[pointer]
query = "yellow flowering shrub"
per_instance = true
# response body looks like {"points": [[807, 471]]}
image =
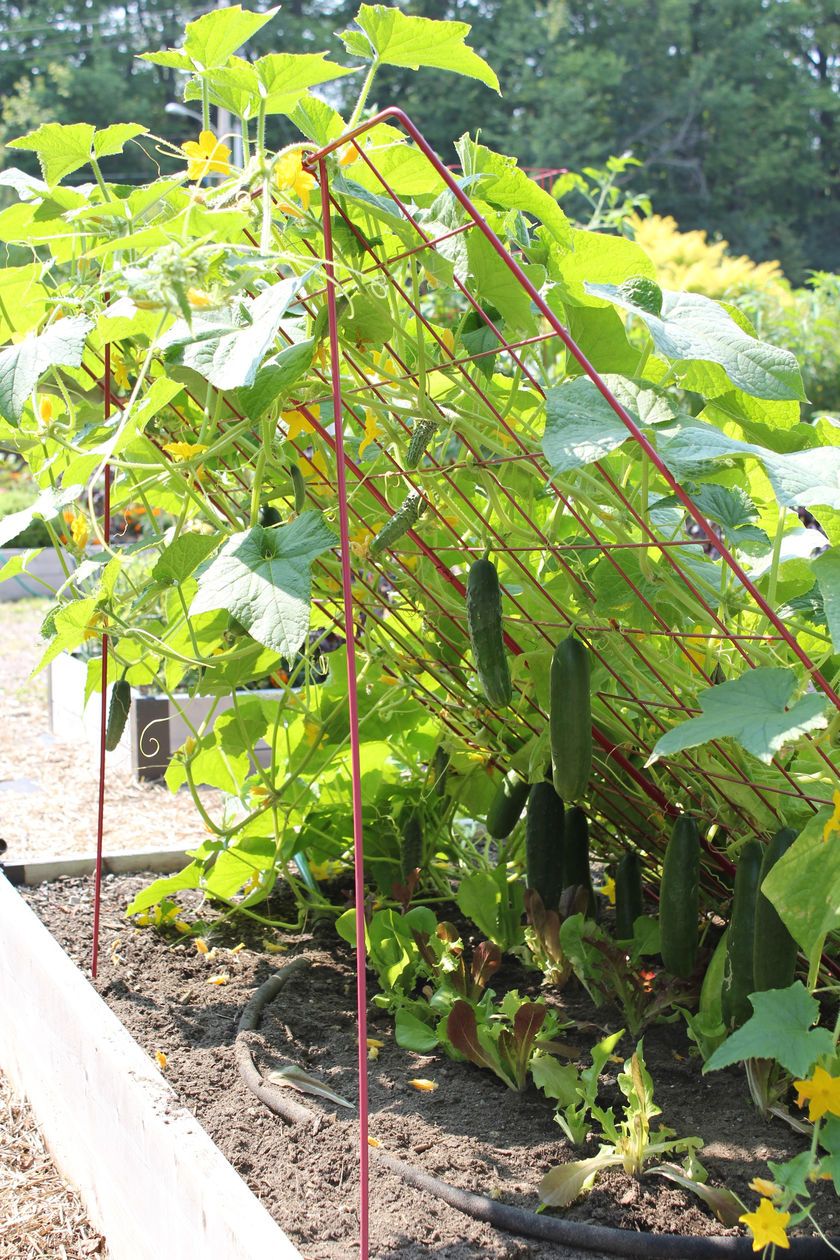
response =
{"points": [[689, 260]]}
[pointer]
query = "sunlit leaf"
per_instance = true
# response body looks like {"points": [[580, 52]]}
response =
{"points": [[262, 577], [393, 38], [751, 709], [781, 1028]]}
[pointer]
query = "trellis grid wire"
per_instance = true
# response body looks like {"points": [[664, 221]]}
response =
{"points": [[416, 590]]}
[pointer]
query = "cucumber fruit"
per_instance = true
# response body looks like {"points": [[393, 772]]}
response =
{"points": [[544, 827], [738, 977], [506, 806], [421, 436], [118, 710], [440, 768], [411, 848], [710, 990], [679, 899], [774, 949], [570, 719], [406, 515], [576, 870], [484, 621], [628, 895], [298, 487]]}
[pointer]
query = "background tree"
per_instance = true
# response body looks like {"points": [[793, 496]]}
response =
{"points": [[731, 104]]}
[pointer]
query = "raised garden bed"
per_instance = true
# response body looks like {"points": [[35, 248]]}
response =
{"points": [[157, 725], [46, 566], [470, 1131], [152, 1180]]}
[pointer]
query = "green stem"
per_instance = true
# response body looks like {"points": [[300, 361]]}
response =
{"points": [[774, 564], [106, 196], [363, 95]]}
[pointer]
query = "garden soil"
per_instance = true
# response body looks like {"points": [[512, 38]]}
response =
{"points": [[470, 1131]]}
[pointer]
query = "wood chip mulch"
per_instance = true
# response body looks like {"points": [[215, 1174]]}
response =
{"points": [[41, 1216]]}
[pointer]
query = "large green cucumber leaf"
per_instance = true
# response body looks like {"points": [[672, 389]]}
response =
{"points": [[753, 710], [23, 365], [781, 1027], [581, 425], [65, 147], [693, 327], [497, 179], [47, 506], [212, 38], [395, 39], [804, 885], [262, 577], [827, 570], [276, 83], [227, 347]]}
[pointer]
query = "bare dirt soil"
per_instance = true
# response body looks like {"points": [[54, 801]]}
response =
{"points": [[470, 1131]]}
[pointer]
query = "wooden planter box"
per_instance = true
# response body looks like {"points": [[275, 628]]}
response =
{"points": [[156, 726], [46, 566], [153, 1182]]}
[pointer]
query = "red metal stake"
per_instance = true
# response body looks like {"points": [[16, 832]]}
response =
{"points": [[353, 708], [103, 710]]}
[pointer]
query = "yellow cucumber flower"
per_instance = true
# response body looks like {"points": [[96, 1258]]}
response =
{"points": [[79, 531], [120, 373], [821, 1092], [768, 1189], [767, 1226], [608, 889], [372, 432], [290, 176], [184, 450], [199, 299], [296, 422], [205, 156]]}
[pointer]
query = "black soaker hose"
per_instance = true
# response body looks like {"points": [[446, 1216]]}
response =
{"points": [[572, 1234]]}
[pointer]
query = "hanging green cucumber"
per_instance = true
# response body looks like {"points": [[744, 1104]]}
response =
{"points": [[506, 806], [439, 768], [544, 825], [484, 621], [710, 991], [570, 719], [406, 515], [738, 977], [774, 949], [118, 711], [628, 895], [679, 899], [269, 516], [576, 870], [421, 435], [411, 848], [298, 487]]}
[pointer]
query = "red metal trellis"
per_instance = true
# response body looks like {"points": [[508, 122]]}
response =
{"points": [[636, 700]]}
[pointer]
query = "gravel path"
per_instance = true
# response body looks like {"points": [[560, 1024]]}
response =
{"points": [[48, 789], [41, 1217]]}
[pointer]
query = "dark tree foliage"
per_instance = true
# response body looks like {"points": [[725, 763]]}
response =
{"points": [[732, 104]]}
